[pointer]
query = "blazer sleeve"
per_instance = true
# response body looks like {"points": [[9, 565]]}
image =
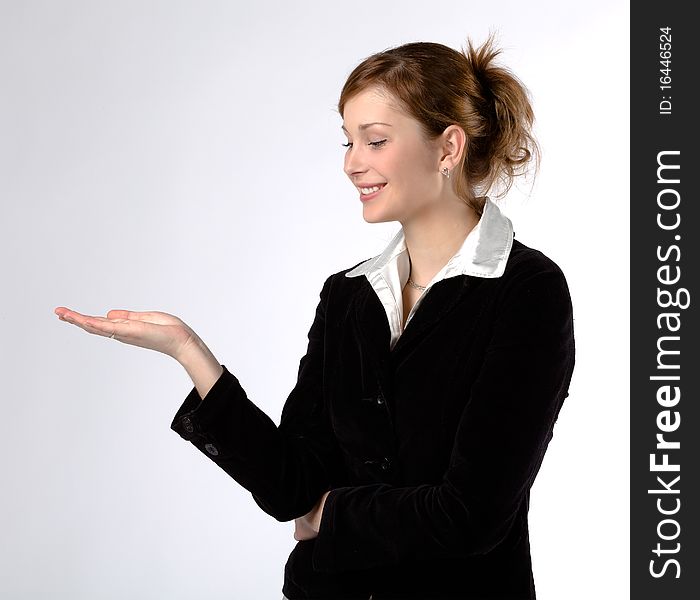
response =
{"points": [[286, 468], [500, 442]]}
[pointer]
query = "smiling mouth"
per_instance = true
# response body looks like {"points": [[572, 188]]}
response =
{"points": [[368, 191]]}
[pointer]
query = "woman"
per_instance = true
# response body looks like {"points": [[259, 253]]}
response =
{"points": [[434, 372]]}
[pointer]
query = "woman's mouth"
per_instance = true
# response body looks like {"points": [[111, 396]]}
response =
{"points": [[367, 193]]}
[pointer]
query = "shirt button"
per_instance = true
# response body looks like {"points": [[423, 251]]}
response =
{"points": [[211, 448], [187, 424], [386, 464]]}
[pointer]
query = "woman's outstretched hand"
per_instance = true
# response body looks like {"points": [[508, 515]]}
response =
{"points": [[157, 331]]}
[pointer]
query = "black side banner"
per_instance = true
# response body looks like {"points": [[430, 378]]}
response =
{"points": [[664, 262]]}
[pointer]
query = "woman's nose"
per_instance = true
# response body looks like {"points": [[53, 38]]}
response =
{"points": [[354, 163]]}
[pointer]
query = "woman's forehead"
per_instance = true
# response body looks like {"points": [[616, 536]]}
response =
{"points": [[372, 107]]}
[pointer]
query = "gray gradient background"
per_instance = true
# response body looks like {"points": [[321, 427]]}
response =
{"points": [[185, 157]]}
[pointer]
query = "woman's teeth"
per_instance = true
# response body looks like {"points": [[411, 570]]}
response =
{"points": [[371, 190]]}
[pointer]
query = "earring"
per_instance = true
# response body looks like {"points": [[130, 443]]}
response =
{"points": [[446, 172]]}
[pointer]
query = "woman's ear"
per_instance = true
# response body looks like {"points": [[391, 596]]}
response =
{"points": [[453, 143]]}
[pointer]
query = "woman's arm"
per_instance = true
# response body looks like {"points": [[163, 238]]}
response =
{"points": [[201, 365], [286, 468]]}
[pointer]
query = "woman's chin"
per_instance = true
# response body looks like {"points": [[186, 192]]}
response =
{"points": [[374, 214], [369, 218]]}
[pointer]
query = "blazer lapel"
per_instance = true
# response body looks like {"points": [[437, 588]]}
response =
{"points": [[440, 300], [372, 327]]}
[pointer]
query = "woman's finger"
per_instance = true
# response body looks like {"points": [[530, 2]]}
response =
{"points": [[105, 328], [99, 325], [67, 315], [157, 317], [75, 317], [61, 311]]}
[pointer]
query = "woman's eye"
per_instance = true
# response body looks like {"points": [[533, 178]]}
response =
{"points": [[376, 144]]}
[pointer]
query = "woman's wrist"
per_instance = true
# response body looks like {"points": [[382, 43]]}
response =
{"points": [[201, 365]]}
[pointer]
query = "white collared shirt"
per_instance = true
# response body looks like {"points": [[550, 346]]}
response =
{"points": [[483, 253]]}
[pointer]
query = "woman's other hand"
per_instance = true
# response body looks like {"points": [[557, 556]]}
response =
{"points": [[307, 527], [157, 331]]}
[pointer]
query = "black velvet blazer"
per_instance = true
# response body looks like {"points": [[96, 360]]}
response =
{"points": [[429, 448]]}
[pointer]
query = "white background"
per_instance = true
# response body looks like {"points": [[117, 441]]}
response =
{"points": [[186, 157]]}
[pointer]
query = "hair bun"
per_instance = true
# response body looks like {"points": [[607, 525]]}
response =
{"points": [[507, 144]]}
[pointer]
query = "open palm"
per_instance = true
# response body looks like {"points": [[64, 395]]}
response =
{"points": [[156, 330]]}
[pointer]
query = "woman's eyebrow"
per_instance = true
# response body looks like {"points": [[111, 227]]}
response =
{"points": [[366, 125]]}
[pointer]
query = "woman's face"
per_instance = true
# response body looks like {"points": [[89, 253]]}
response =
{"points": [[393, 155]]}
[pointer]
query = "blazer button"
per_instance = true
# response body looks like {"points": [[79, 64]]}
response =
{"points": [[386, 464], [380, 400], [187, 424], [211, 448]]}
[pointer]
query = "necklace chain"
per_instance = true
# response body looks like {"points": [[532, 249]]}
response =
{"points": [[415, 285]]}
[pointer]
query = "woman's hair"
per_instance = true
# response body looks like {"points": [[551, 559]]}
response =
{"points": [[439, 86]]}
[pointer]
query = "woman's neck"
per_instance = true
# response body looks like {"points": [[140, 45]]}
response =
{"points": [[433, 238]]}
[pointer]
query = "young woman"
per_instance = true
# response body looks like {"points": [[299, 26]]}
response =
{"points": [[434, 372]]}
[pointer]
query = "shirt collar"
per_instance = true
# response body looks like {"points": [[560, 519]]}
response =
{"points": [[483, 253]]}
